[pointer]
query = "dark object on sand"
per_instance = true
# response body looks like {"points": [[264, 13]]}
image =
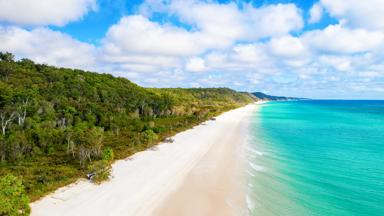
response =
{"points": [[168, 140], [91, 175]]}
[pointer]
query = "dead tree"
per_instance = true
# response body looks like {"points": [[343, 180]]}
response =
{"points": [[22, 112], [6, 120]]}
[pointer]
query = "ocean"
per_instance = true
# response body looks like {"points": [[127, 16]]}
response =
{"points": [[317, 157]]}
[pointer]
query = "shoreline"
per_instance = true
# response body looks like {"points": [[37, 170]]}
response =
{"points": [[217, 184], [148, 181]]}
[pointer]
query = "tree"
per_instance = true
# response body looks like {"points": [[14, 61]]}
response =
{"points": [[7, 108], [7, 57], [149, 136], [22, 111], [27, 63], [6, 70], [13, 200], [6, 118], [69, 137], [89, 143], [3, 148], [17, 145]]}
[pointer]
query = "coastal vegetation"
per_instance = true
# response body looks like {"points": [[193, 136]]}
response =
{"points": [[60, 124], [265, 97], [13, 200]]}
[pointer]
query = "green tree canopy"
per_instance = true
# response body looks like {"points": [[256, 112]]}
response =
{"points": [[7, 57]]}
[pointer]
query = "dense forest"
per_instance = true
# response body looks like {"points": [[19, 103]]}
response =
{"points": [[56, 123]]}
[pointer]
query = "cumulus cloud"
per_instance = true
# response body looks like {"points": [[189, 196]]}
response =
{"points": [[287, 46], [137, 34], [275, 20], [315, 13], [46, 46], [338, 63], [357, 13], [291, 51], [242, 59], [139, 43], [44, 12], [248, 53], [224, 23], [196, 64], [339, 39]]}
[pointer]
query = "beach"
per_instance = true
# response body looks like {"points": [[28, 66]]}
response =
{"points": [[200, 173]]}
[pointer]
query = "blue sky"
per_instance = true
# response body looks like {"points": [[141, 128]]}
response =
{"points": [[314, 48]]}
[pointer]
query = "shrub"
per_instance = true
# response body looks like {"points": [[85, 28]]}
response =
{"points": [[151, 124], [149, 136], [99, 171], [108, 154], [13, 200]]}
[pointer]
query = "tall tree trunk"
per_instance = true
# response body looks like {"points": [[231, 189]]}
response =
{"points": [[5, 121], [22, 112]]}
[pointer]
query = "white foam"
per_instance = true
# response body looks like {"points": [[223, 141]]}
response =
{"points": [[250, 204], [256, 167], [251, 174], [254, 151]]}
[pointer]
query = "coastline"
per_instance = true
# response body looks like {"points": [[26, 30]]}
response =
{"points": [[216, 185], [202, 166]]}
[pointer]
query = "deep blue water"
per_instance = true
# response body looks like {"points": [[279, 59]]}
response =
{"points": [[317, 158]]}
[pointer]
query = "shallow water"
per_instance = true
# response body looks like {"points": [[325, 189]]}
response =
{"points": [[317, 158]]}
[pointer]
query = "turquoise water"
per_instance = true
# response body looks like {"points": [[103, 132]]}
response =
{"points": [[317, 158]]}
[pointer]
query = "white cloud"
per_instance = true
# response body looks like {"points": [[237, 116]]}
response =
{"points": [[226, 23], [339, 39], [196, 64], [46, 46], [339, 63], [274, 20], [137, 34], [367, 14], [288, 47], [136, 40], [249, 53], [222, 24], [371, 74], [242, 58], [132, 58], [315, 13], [137, 67], [44, 12]]}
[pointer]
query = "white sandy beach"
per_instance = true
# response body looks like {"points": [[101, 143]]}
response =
{"points": [[197, 174]]}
